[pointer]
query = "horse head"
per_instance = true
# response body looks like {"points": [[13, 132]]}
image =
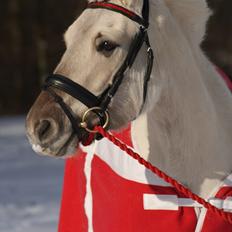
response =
{"points": [[97, 46]]}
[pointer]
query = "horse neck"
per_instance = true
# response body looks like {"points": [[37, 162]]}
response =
{"points": [[186, 131]]}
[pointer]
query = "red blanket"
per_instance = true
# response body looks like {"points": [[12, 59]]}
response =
{"points": [[107, 191]]}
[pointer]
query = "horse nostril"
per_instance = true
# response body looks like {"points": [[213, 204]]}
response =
{"points": [[44, 127], [44, 130]]}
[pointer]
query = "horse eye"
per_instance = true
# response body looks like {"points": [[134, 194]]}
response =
{"points": [[106, 46]]}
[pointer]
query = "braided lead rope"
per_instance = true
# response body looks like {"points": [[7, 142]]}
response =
{"points": [[179, 187]]}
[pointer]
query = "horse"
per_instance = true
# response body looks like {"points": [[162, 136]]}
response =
{"points": [[183, 126]]}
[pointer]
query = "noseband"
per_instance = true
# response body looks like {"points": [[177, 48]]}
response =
{"points": [[99, 104]]}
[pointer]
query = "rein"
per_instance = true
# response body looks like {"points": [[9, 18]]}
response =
{"points": [[227, 216]]}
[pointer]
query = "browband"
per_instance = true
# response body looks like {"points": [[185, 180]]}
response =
{"points": [[121, 10]]}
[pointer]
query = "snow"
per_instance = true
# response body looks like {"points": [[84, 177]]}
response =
{"points": [[30, 185]]}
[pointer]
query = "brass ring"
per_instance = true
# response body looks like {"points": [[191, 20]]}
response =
{"points": [[84, 124]]}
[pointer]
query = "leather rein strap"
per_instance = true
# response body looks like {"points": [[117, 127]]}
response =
{"points": [[85, 96]]}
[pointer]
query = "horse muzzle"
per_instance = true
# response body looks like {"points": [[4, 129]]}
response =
{"points": [[48, 129]]}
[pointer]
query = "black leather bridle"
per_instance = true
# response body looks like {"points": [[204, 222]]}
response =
{"points": [[99, 104]]}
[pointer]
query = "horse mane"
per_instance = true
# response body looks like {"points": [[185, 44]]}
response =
{"points": [[192, 16]]}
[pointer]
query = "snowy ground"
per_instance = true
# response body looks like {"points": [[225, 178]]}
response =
{"points": [[30, 185]]}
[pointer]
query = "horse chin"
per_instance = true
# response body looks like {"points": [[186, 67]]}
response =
{"points": [[60, 149]]}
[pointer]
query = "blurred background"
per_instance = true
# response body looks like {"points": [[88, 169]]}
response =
{"points": [[31, 45]]}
